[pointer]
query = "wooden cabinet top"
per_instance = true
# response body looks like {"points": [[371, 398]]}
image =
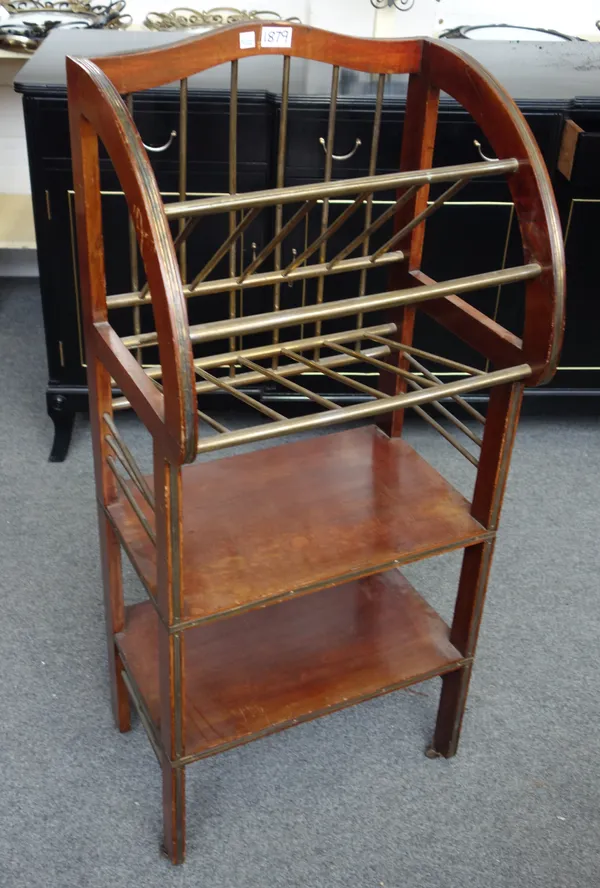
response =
{"points": [[534, 72]]}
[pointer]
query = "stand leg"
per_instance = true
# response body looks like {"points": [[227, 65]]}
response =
{"points": [[173, 812], [63, 419], [498, 440], [115, 618]]}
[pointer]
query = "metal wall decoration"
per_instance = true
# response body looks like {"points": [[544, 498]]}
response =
{"points": [[402, 5], [464, 31], [29, 21], [183, 17]]}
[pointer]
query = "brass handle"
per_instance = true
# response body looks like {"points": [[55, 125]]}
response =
{"points": [[162, 147], [482, 155], [357, 145]]}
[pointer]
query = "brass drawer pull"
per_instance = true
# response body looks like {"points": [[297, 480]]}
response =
{"points": [[162, 147], [357, 145]]}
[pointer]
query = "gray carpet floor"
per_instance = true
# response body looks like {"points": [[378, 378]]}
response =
{"points": [[349, 800]]}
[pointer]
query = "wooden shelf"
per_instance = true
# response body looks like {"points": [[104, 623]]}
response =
{"points": [[275, 667], [255, 531]]}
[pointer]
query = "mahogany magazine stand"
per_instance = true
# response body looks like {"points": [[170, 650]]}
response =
{"points": [[274, 594]]}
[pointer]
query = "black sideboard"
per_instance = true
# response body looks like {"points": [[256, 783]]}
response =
{"points": [[553, 83]]}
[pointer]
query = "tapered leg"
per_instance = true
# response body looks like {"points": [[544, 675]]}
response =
{"points": [[115, 618], [501, 423], [171, 660], [173, 812]]}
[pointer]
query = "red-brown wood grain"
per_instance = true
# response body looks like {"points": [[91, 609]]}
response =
{"points": [[269, 669], [289, 519]]}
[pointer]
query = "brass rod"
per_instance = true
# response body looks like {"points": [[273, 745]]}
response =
{"points": [[279, 378], [131, 499], [131, 470], [279, 236], [218, 426], [382, 365], [183, 152], [400, 346], [242, 396], [367, 409], [325, 235], [362, 286], [336, 188], [287, 370], [425, 214], [279, 180], [233, 112], [373, 227], [435, 379], [343, 307], [133, 261], [247, 219], [132, 465], [265, 351], [320, 367], [335, 82], [265, 278], [443, 432]]}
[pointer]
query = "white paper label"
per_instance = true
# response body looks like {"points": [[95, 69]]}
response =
{"points": [[276, 38], [247, 40]]}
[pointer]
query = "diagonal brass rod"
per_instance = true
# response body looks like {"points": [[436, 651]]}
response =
{"points": [[320, 367], [337, 188], [223, 249], [287, 370], [435, 379], [341, 308], [133, 474], [266, 278], [440, 428], [127, 457], [131, 499], [425, 214], [376, 407], [242, 396], [326, 234], [373, 227], [275, 241], [265, 351], [278, 377], [218, 426], [411, 350], [382, 365]]}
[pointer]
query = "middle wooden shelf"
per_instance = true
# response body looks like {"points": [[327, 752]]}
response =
{"points": [[255, 532]]}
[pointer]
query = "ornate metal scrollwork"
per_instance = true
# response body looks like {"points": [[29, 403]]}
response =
{"points": [[183, 17], [29, 21], [402, 5]]}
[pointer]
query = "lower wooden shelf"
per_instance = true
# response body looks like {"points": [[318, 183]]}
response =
{"points": [[277, 666]]}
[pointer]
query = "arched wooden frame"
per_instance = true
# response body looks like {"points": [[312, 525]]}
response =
{"points": [[96, 107], [97, 110]]}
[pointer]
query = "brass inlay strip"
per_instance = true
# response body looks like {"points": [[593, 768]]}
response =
{"points": [[279, 180], [233, 112]]}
